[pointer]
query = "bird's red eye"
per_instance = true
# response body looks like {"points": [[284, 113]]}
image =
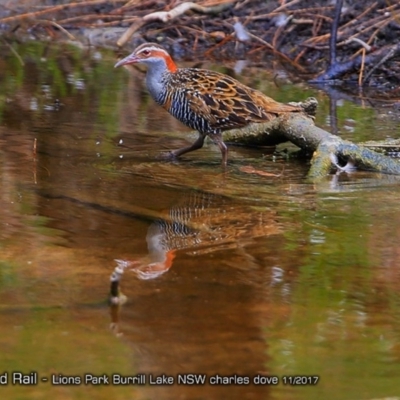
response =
{"points": [[146, 52]]}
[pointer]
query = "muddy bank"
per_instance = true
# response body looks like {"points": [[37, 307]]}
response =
{"points": [[295, 33]]}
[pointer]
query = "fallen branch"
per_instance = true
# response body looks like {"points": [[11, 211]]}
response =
{"points": [[387, 147], [166, 16], [268, 133], [321, 162], [326, 148]]}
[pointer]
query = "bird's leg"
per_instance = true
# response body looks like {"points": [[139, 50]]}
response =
{"points": [[217, 139], [198, 144]]}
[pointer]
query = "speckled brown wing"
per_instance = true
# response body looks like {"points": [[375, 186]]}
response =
{"points": [[226, 103]]}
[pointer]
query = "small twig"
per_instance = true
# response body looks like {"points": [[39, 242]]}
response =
{"points": [[19, 58], [131, 3], [47, 22], [360, 75], [113, 23], [166, 16], [129, 32], [34, 161], [377, 56], [300, 55], [369, 41], [381, 23], [221, 43], [318, 39], [278, 32], [284, 56], [242, 4], [89, 17], [366, 46], [289, 12], [317, 26], [55, 9], [386, 57], [284, 6], [389, 8]]}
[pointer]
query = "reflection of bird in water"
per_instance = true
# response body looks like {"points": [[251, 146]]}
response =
{"points": [[203, 223], [207, 101]]}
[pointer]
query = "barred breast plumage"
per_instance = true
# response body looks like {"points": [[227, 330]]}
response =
{"points": [[204, 100]]}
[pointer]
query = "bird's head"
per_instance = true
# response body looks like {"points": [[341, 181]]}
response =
{"points": [[150, 54]]}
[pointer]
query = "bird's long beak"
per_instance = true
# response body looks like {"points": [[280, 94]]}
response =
{"points": [[131, 59]]}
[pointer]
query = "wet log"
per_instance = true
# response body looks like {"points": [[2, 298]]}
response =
{"points": [[389, 147], [327, 149], [269, 133]]}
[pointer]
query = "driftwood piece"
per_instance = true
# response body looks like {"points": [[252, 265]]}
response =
{"points": [[166, 16], [299, 128], [321, 162]]}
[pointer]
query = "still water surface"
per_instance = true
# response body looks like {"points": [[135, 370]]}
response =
{"points": [[269, 276]]}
